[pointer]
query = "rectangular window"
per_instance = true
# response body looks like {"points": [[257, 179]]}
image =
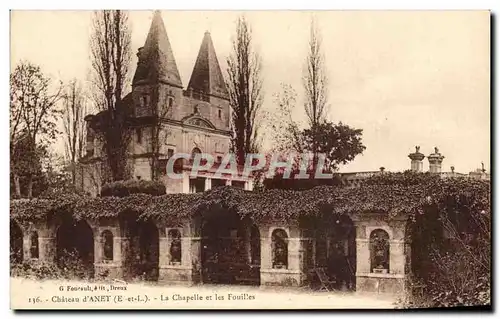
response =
{"points": [[216, 182], [239, 184], [170, 153], [197, 185], [145, 100], [162, 166]]}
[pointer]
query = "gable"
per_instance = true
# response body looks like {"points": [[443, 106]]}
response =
{"points": [[198, 121]]}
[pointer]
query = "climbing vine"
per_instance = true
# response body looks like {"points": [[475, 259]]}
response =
{"points": [[449, 220], [391, 193]]}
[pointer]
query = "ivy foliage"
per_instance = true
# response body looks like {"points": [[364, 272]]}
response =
{"points": [[390, 193]]}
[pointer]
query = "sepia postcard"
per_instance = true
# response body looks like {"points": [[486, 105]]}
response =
{"points": [[250, 159]]}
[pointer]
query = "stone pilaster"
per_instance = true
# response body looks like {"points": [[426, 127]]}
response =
{"points": [[362, 255], [47, 249], [208, 183], [397, 256], [26, 246]]}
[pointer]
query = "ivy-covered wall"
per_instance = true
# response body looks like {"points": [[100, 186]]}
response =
{"points": [[421, 199]]}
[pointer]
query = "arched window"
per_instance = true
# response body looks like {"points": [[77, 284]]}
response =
{"points": [[34, 251], [107, 239], [174, 236], [170, 103], [379, 251], [280, 248]]}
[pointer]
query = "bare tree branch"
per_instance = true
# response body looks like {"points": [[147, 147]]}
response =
{"points": [[111, 55], [315, 83], [75, 109]]}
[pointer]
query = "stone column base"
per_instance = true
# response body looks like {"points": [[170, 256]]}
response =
{"points": [[282, 277], [177, 274], [380, 283]]}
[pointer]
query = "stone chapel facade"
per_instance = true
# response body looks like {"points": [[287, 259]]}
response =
{"points": [[195, 119]]}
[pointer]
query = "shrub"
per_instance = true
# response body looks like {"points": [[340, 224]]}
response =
{"points": [[125, 188], [69, 266]]}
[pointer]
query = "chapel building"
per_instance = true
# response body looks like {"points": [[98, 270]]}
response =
{"points": [[194, 120]]}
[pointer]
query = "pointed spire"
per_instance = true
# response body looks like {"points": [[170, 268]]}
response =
{"points": [[156, 59], [207, 76]]}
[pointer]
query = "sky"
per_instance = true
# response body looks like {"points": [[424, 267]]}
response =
{"points": [[406, 78]]}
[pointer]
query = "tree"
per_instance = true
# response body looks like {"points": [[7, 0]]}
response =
{"points": [[110, 56], [29, 179], [286, 132], [75, 109], [315, 83], [245, 90], [338, 142], [33, 116], [159, 133]]}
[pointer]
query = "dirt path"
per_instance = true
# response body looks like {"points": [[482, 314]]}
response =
{"points": [[56, 294]]}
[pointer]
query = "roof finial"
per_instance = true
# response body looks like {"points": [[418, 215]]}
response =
{"points": [[208, 25]]}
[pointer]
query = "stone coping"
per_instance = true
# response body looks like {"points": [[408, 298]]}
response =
{"points": [[377, 275], [280, 271]]}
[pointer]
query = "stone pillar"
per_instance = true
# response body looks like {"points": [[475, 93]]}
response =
{"points": [[46, 249], [247, 242], [435, 161], [194, 255], [265, 252], [249, 185], [26, 246], [208, 183], [397, 256], [295, 254], [185, 182], [163, 258], [362, 255], [416, 160]]}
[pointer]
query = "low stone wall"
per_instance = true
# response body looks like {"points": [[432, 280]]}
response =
{"points": [[281, 277], [177, 274], [380, 283]]}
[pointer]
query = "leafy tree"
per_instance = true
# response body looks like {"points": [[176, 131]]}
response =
{"points": [[29, 179], [339, 142], [245, 90], [33, 117]]}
